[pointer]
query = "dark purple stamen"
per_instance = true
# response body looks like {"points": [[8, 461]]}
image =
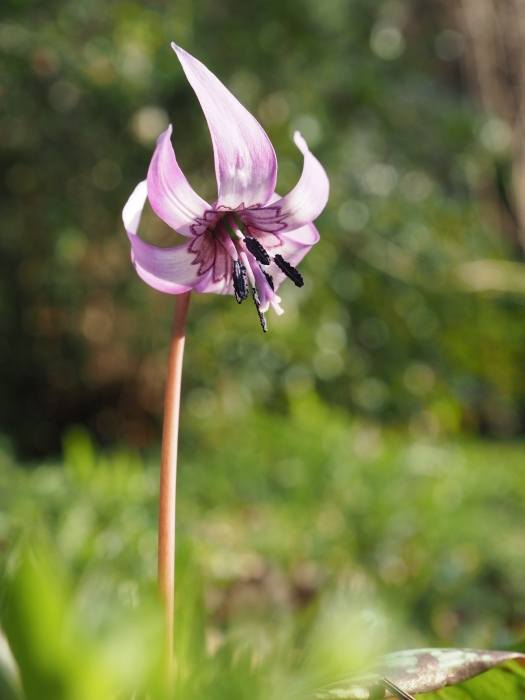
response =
{"points": [[269, 278], [257, 302], [289, 270], [257, 250], [240, 281]]}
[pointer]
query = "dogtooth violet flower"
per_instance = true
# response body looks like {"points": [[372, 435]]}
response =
{"points": [[250, 236]]}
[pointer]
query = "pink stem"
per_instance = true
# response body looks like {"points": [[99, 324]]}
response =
{"points": [[168, 474]]}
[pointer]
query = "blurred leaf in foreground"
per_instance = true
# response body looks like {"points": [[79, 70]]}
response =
{"points": [[58, 656], [39, 630], [507, 681], [9, 681], [424, 670]]}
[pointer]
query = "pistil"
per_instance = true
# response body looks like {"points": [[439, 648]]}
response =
{"points": [[257, 302], [234, 226], [250, 258], [268, 277], [267, 295]]}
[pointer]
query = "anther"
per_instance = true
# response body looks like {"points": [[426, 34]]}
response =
{"points": [[289, 270], [240, 281], [257, 250], [257, 302]]}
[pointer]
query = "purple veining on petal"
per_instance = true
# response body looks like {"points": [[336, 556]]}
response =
{"points": [[207, 221], [209, 254], [170, 270], [269, 218], [307, 199]]}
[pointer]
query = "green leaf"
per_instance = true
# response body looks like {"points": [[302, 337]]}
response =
{"points": [[54, 660], [421, 671], [9, 685], [507, 681]]}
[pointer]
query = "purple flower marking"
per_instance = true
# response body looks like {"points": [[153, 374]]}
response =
{"points": [[250, 234]]}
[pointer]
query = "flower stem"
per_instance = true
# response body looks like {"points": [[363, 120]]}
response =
{"points": [[168, 474]]}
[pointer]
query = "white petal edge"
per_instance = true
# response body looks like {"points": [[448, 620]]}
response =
{"points": [[169, 270]]}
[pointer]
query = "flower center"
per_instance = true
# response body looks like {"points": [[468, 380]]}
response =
{"points": [[250, 260]]}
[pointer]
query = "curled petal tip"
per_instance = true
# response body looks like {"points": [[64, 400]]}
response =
{"points": [[300, 142], [307, 199], [166, 133], [177, 48], [133, 210]]}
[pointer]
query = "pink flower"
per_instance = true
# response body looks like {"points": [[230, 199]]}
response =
{"points": [[250, 236]]}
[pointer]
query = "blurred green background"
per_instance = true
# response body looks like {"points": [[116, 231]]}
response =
{"points": [[372, 439], [388, 325]]}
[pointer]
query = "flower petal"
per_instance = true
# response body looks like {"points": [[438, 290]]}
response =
{"points": [[245, 162], [300, 206], [170, 194], [174, 270], [306, 235]]}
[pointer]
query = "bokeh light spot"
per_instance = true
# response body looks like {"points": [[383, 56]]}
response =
{"points": [[353, 215], [387, 42], [148, 123], [310, 129]]}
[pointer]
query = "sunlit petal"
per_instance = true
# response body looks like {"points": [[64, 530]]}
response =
{"points": [[245, 162], [173, 270], [170, 194], [300, 206]]}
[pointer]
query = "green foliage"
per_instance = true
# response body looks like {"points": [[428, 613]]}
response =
{"points": [[53, 661], [62, 654], [330, 543], [504, 682], [417, 671], [278, 513]]}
